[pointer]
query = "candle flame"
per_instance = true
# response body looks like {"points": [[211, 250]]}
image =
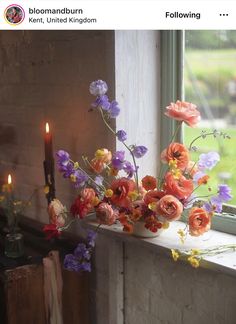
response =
{"points": [[9, 179], [47, 128]]}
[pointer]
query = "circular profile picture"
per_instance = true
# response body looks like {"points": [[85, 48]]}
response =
{"points": [[14, 14]]}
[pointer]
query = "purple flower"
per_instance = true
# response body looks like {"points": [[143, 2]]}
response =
{"points": [[118, 160], [72, 263], [121, 135], [217, 204], [208, 207], [63, 159], [114, 109], [224, 192], [129, 169], [81, 252], [102, 102], [139, 151], [99, 180], [80, 178], [98, 88], [91, 238], [208, 160], [67, 170]]}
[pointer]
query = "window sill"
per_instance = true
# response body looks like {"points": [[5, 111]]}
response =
{"points": [[169, 239]]}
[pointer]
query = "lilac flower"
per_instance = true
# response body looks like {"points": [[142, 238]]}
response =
{"points": [[67, 170], [114, 109], [99, 180], [118, 160], [224, 192], [63, 159], [102, 102], [129, 169], [72, 263], [91, 238], [98, 88], [121, 135], [208, 207], [80, 259], [80, 178], [139, 151], [217, 204], [208, 160]]}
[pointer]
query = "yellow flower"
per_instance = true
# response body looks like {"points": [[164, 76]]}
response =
{"points": [[195, 252], [193, 261], [108, 193], [175, 254], [73, 178], [99, 154], [182, 235], [176, 173], [173, 164], [46, 190], [152, 206], [76, 165], [133, 195], [96, 201], [165, 225]]}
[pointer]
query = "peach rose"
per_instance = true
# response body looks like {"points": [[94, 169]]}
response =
{"points": [[184, 111], [105, 214], [170, 208], [121, 189], [177, 152], [57, 213], [199, 221], [180, 188], [88, 195], [153, 196]]}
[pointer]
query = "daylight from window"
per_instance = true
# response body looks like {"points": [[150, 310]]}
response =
{"points": [[210, 83]]}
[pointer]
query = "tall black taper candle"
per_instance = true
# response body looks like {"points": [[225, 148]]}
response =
{"points": [[49, 165]]}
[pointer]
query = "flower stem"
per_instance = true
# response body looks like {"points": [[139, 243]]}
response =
{"points": [[127, 147]]}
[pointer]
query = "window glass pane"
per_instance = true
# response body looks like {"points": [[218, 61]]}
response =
{"points": [[210, 83]]}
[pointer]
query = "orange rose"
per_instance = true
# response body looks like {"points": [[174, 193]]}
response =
{"points": [[178, 153], [199, 221], [184, 111], [180, 188], [121, 189], [149, 183], [153, 196], [170, 208], [105, 214]]}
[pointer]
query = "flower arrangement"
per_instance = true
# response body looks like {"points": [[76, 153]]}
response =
{"points": [[109, 184]]}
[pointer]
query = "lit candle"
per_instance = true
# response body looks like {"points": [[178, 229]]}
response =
{"points": [[9, 179], [49, 164], [48, 144]]}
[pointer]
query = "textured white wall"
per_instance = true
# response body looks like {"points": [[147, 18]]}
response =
{"points": [[157, 290]]}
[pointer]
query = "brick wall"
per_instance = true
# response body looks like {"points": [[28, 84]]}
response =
{"points": [[45, 76]]}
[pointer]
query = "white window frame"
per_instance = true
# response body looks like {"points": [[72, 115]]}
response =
{"points": [[172, 89]]}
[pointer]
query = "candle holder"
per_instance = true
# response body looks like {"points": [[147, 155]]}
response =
{"points": [[49, 179]]}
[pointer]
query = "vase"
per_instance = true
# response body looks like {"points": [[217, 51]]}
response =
{"points": [[140, 230], [14, 245]]}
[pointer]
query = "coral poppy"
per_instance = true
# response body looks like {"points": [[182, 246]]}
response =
{"points": [[153, 196], [176, 152], [180, 188], [121, 189], [149, 183], [199, 221], [105, 214]]}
